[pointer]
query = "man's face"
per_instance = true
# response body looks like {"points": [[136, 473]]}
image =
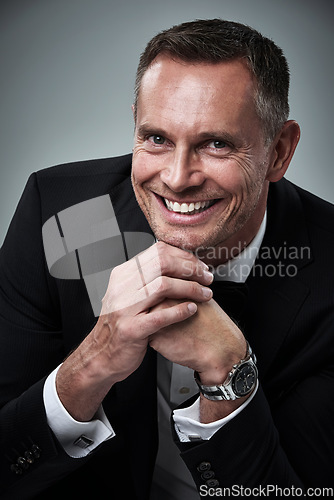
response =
{"points": [[199, 161]]}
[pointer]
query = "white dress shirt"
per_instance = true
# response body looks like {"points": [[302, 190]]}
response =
{"points": [[80, 438]]}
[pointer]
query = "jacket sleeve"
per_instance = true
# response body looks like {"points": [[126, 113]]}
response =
{"points": [[31, 347], [289, 444]]}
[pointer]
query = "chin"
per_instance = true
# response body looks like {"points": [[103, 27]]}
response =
{"points": [[190, 243]]}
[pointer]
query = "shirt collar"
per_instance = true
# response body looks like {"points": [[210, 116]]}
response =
{"points": [[239, 268]]}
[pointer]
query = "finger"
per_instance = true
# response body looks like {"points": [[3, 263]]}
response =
{"points": [[165, 287], [165, 260], [161, 247], [141, 278], [159, 260], [151, 322]]}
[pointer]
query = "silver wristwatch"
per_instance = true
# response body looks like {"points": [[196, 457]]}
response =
{"points": [[240, 381]]}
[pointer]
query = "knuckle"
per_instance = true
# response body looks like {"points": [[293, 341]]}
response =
{"points": [[114, 278], [156, 322], [163, 263], [160, 262], [161, 285], [117, 270], [195, 288], [161, 247], [126, 331], [179, 313], [187, 269]]}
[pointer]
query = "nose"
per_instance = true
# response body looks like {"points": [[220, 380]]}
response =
{"points": [[182, 171]]}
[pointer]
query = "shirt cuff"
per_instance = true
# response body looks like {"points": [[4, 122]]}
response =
{"points": [[77, 438], [189, 428]]}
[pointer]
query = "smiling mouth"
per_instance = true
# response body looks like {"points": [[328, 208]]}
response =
{"points": [[192, 208]]}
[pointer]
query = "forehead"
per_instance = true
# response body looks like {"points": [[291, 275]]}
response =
{"points": [[175, 90], [166, 69]]}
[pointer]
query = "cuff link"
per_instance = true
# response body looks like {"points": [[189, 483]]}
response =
{"points": [[83, 442]]}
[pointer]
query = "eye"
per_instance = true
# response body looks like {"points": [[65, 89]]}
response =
{"points": [[219, 144], [217, 147], [157, 139]]}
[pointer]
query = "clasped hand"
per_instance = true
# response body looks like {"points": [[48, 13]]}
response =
{"points": [[161, 298]]}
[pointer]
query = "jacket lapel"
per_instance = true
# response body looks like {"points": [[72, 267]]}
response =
{"points": [[276, 293]]}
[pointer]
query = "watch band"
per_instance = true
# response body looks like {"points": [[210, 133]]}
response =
{"points": [[228, 391]]}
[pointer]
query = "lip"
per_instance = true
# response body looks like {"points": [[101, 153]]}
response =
{"points": [[187, 220]]}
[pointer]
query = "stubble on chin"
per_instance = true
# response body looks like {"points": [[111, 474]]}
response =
{"points": [[186, 239]]}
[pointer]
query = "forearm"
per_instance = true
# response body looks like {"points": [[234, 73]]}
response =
{"points": [[210, 411], [78, 439], [82, 381]]}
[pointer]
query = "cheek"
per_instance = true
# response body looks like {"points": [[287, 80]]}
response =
{"points": [[144, 166], [140, 170], [232, 178], [240, 178]]}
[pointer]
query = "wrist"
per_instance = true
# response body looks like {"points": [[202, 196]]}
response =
{"points": [[218, 371], [211, 411], [240, 381], [212, 377]]}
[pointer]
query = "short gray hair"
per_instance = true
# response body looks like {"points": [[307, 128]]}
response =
{"points": [[216, 40]]}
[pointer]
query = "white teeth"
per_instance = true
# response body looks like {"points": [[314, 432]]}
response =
{"points": [[185, 208]]}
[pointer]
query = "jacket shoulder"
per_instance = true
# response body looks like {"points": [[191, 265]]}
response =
{"points": [[118, 165], [318, 212], [64, 185]]}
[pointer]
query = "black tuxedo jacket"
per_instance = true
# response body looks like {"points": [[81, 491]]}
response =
{"points": [[284, 437]]}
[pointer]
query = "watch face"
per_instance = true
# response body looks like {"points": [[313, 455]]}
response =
{"points": [[244, 379]]}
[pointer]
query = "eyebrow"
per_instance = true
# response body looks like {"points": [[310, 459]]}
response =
{"points": [[146, 129], [219, 135]]}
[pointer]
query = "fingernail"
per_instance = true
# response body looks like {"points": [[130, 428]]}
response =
{"points": [[207, 292], [208, 276], [192, 308]]}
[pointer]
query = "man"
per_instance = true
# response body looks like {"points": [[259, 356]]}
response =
{"points": [[79, 394]]}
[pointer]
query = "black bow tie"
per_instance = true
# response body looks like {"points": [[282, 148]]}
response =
{"points": [[231, 297]]}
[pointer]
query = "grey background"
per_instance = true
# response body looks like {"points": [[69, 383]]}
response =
{"points": [[67, 74]]}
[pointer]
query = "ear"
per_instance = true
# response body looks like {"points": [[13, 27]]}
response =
{"points": [[282, 150]]}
